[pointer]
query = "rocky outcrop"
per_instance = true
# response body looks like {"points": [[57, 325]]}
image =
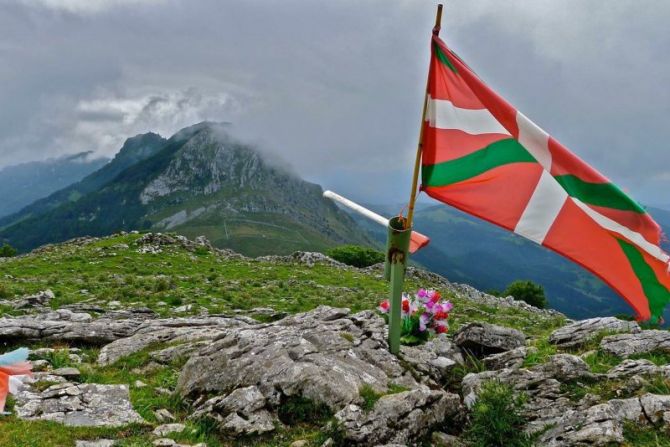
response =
{"points": [[242, 412], [123, 332], [579, 332], [436, 358], [508, 359], [79, 405], [397, 418], [327, 356], [602, 424], [625, 345], [173, 330], [483, 338]]}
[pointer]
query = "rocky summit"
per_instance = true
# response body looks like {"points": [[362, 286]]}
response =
{"points": [[157, 340]]}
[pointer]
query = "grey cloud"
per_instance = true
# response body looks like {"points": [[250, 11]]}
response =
{"points": [[335, 88]]}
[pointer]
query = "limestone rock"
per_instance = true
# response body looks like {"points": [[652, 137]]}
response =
{"points": [[67, 372], [241, 412], [397, 418], [594, 427], [97, 443], [166, 429], [167, 330], [629, 368], [436, 358], [301, 355], [579, 332], [440, 439], [624, 345], [164, 415], [507, 359], [79, 405], [484, 338], [41, 298]]}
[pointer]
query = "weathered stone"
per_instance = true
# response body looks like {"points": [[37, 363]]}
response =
{"points": [[625, 345], [167, 330], [397, 418], [436, 358], [564, 367], [655, 406], [67, 372], [41, 298], [166, 429], [164, 415], [302, 355], [483, 339], [579, 332], [508, 359], [241, 412], [97, 443], [440, 439], [79, 405], [594, 427], [173, 353], [629, 368]]}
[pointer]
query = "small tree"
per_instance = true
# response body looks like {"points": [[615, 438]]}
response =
{"points": [[356, 255], [7, 251], [527, 291]]}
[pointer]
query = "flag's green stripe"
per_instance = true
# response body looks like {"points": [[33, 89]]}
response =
{"points": [[443, 58], [600, 194], [657, 294], [496, 154]]}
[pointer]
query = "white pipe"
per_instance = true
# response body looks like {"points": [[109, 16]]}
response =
{"points": [[356, 207]]}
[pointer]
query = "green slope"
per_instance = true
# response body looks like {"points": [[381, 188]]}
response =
{"points": [[200, 182]]}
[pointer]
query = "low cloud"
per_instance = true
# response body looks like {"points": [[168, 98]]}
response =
{"points": [[85, 6], [335, 88]]}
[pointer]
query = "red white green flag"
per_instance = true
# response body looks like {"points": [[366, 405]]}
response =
{"points": [[486, 158]]}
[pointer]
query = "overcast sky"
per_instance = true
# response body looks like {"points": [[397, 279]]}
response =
{"points": [[334, 87]]}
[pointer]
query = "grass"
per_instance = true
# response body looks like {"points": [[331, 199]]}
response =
{"points": [[496, 418], [112, 269], [370, 396], [640, 436], [541, 352]]}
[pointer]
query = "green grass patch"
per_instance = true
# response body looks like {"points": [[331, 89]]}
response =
{"points": [[496, 418]]}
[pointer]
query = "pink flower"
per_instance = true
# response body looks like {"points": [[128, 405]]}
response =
{"points": [[423, 321], [446, 307], [384, 306]]}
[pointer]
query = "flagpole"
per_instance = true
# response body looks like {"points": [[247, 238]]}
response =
{"points": [[399, 233], [419, 147]]}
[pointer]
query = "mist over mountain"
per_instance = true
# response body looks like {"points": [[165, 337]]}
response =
{"points": [[201, 181], [24, 183]]}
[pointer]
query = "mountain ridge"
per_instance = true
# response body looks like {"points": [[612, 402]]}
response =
{"points": [[199, 181]]}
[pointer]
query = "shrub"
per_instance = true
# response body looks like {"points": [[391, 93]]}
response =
{"points": [[496, 418], [7, 251], [527, 291], [356, 255]]}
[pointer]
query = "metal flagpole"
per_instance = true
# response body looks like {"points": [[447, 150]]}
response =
{"points": [[399, 232]]}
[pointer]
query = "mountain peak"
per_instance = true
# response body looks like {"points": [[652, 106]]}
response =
{"points": [[219, 128]]}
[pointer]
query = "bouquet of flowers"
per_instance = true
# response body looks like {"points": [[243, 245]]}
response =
{"points": [[424, 314]]}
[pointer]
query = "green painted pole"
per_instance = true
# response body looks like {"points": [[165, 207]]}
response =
{"points": [[400, 231], [397, 254]]}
